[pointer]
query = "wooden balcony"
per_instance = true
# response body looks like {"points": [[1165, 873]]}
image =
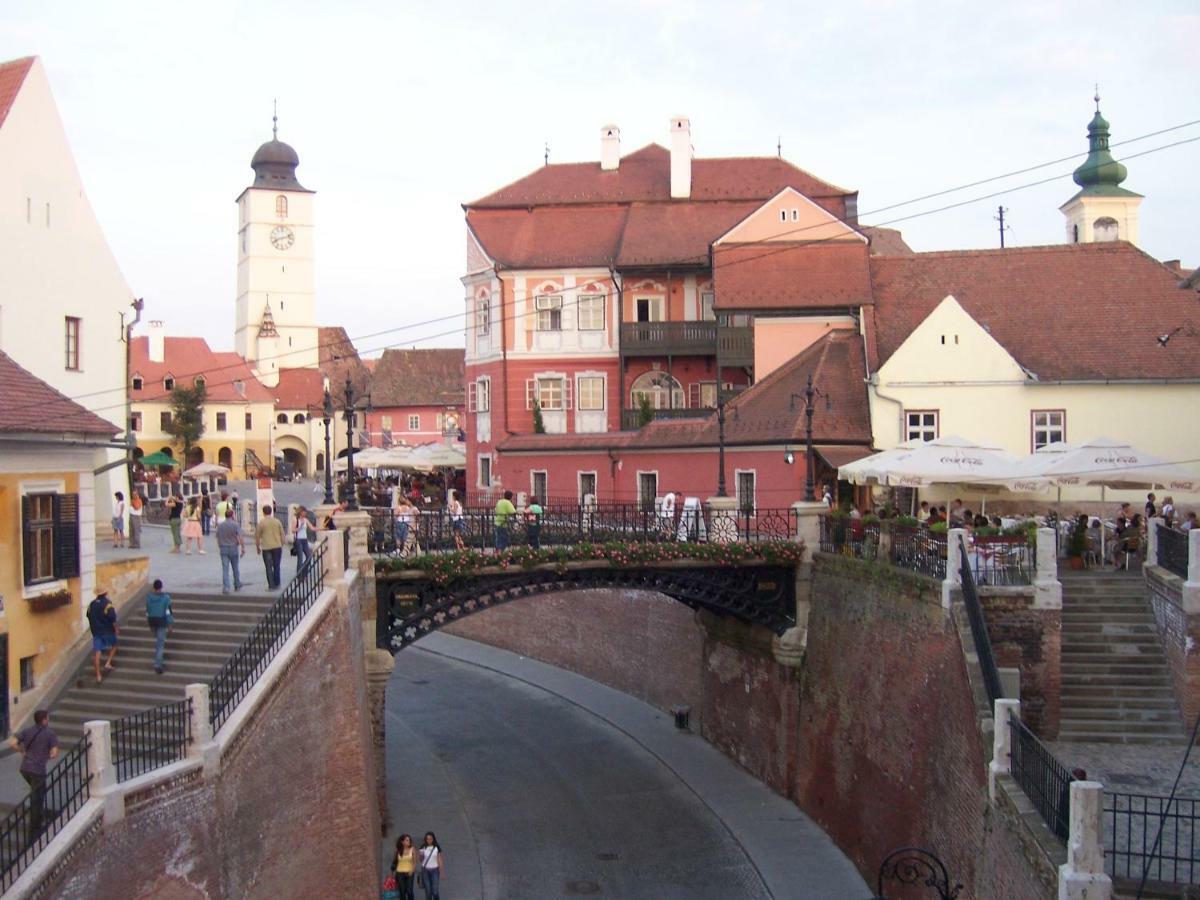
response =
{"points": [[688, 339]]}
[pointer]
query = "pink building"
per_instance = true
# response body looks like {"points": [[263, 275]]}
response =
{"points": [[416, 397]]}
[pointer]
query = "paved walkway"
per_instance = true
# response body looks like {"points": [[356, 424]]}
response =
{"points": [[1133, 768], [545, 782]]}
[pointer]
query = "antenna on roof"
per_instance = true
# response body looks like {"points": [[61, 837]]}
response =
{"points": [[779, 146], [1003, 228], [275, 118], [546, 154]]}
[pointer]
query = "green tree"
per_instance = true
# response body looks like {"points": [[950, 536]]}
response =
{"points": [[645, 411], [187, 417], [539, 424]]}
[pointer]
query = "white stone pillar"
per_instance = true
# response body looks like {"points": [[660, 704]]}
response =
{"points": [[103, 772], [335, 552], [1082, 876], [201, 716], [1190, 599], [789, 647], [1047, 589], [1001, 763], [722, 519], [953, 580], [359, 523], [1152, 540]]}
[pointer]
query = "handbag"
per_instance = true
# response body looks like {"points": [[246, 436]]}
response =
{"points": [[390, 890], [293, 550]]}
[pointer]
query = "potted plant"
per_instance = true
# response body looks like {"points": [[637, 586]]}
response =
{"points": [[50, 601], [1078, 544]]}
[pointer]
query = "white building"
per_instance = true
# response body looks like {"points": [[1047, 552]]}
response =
{"points": [[62, 295]]}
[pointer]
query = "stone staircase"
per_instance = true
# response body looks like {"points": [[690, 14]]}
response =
{"points": [[207, 630], [1116, 686]]}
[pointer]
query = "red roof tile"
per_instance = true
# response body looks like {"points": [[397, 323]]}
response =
{"points": [[299, 389], [339, 358], [1074, 311], [885, 241], [553, 236], [645, 175], [184, 358], [12, 76], [791, 276], [427, 377], [34, 406], [678, 233]]}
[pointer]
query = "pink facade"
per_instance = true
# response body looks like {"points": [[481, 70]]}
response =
{"points": [[414, 424]]}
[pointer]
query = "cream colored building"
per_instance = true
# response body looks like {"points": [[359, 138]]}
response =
{"points": [[62, 296]]}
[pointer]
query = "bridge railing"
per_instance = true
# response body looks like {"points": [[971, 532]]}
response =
{"points": [[434, 531]]}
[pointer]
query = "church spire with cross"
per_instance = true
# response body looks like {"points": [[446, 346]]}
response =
{"points": [[1101, 210]]}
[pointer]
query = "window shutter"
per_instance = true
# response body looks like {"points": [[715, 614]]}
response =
{"points": [[530, 392], [472, 397], [694, 395], [26, 539], [66, 535]]}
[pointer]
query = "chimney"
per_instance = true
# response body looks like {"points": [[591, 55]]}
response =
{"points": [[610, 148], [681, 158], [157, 340]]}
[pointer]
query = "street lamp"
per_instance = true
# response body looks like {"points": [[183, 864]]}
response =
{"points": [[720, 442], [327, 412], [810, 458], [348, 411]]}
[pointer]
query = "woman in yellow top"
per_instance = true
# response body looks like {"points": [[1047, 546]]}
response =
{"points": [[404, 864]]}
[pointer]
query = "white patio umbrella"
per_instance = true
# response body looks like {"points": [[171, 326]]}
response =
{"points": [[364, 458], [440, 456], [204, 469], [1114, 464], [873, 468]]}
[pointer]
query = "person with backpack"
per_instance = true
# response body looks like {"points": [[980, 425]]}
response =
{"points": [[37, 744], [160, 617], [102, 620], [533, 523]]}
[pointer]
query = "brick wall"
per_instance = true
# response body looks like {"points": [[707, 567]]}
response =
{"points": [[290, 814], [1030, 640], [1179, 634]]}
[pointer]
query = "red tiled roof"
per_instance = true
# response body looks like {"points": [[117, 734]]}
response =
{"points": [[32, 405], [763, 414], [645, 175], [1074, 311], [791, 276], [186, 357], [339, 358], [553, 236], [427, 377], [12, 76], [885, 241], [678, 233], [299, 389]]}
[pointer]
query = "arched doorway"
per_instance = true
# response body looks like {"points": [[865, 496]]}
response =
{"points": [[320, 464], [662, 390], [225, 457], [294, 452], [167, 451], [195, 456]]}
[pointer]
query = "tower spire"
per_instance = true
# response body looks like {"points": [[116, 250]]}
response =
{"points": [[1100, 173], [275, 119]]}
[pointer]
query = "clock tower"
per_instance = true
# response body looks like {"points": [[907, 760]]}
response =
{"points": [[276, 300]]}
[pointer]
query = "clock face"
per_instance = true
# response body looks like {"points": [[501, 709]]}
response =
{"points": [[282, 237]]}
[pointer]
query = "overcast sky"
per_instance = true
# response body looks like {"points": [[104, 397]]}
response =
{"points": [[403, 111]]}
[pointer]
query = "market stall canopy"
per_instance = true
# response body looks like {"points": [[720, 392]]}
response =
{"points": [[158, 458], [203, 470], [1110, 463]]}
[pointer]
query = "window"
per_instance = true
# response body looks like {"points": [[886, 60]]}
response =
{"points": [[1049, 425], [137, 382], [249, 421], [385, 423], [164, 421], [169, 383], [281, 206], [27, 673], [587, 485], [485, 471], [662, 390], [745, 491], [200, 382], [135, 422], [549, 313], [220, 421], [538, 481], [73, 343], [648, 309], [281, 419], [1106, 228], [706, 306], [647, 490], [298, 419], [480, 399], [591, 313], [414, 422], [702, 394], [591, 392], [921, 424], [50, 536], [483, 316], [549, 393]]}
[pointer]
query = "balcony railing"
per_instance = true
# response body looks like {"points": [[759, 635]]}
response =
{"points": [[688, 338], [630, 418]]}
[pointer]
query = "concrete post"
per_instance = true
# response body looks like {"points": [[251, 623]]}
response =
{"points": [[1001, 763], [359, 523], [1190, 599], [1082, 876], [1152, 540], [722, 519], [102, 770], [335, 552], [953, 580], [1047, 589], [789, 647], [201, 716]]}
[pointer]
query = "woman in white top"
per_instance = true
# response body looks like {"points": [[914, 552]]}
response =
{"points": [[458, 523], [433, 866], [118, 520]]}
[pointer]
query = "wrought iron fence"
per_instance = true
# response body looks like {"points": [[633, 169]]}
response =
{"points": [[979, 632], [157, 737], [1173, 550], [1045, 780], [243, 668], [41, 815], [1131, 828], [433, 531], [918, 549], [1002, 560], [850, 537]]}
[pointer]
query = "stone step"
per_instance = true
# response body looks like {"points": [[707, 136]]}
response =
{"points": [[1124, 717], [1124, 670], [1101, 726], [1105, 639], [1127, 692], [1108, 737], [1146, 702], [1105, 679]]}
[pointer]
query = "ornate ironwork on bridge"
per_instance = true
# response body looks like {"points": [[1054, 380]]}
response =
{"points": [[412, 604]]}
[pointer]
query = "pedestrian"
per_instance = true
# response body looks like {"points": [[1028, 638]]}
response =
{"points": [[222, 505], [174, 515], [268, 540], [206, 511], [330, 522], [160, 617], [102, 620], [137, 508], [666, 515], [501, 516], [233, 501], [37, 744], [1168, 510], [301, 532], [232, 549], [118, 520], [192, 532], [1150, 509], [458, 521], [433, 864], [533, 523], [404, 865]]}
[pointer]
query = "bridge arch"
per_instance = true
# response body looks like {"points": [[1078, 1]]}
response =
{"points": [[412, 605]]}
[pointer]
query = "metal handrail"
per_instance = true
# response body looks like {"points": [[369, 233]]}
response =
{"points": [[1045, 780], [1173, 550], [979, 632], [1132, 822], [144, 741]]}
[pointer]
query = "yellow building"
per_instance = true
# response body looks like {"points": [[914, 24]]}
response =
{"points": [[238, 412], [49, 448]]}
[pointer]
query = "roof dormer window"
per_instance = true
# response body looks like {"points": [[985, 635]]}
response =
{"points": [[199, 382]]}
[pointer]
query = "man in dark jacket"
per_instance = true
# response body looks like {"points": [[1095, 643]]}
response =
{"points": [[102, 620]]}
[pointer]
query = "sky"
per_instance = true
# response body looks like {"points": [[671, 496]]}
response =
{"points": [[401, 112]]}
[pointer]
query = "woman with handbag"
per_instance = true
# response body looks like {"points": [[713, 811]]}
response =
{"points": [[433, 864], [192, 533], [404, 867]]}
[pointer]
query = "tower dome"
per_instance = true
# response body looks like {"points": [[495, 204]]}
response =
{"points": [[1099, 174], [275, 163]]}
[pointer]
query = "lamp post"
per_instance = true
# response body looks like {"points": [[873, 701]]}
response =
{"points": [[720, 442], [348, 412], [327, 412], [810, 458]]}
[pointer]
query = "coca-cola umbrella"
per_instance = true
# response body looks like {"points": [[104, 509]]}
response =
{"points": [[1111, 463]]}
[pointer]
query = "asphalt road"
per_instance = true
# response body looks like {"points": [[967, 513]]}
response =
{"points": [[535, 795]]}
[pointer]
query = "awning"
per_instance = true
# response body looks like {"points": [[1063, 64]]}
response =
{"points": [[837, 456]]}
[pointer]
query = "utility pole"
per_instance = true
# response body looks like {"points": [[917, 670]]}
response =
{"points": [[1003, 228]]}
